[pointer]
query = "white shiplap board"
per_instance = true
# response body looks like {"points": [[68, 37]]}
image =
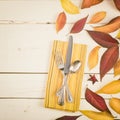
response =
{"points": [[27, 48], [33, 85], [27, 31], [33, 109]]}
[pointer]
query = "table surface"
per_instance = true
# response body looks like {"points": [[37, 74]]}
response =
{"points": [[27, 31]]}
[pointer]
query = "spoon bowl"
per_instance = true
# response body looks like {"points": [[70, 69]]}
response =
{"points": [[75, 66]]}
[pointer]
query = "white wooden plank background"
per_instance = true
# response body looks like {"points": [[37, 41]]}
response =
{"points": [[27, 31]]}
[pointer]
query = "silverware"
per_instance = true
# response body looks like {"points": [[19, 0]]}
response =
{"points": [[66, 72], [60, 93], [75, 66], [59, 60]]}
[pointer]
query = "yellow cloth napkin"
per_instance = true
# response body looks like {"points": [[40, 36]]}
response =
{"points": [[55, 77]]}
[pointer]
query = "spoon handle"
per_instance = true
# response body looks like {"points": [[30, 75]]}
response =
{"points": [[61, 99], [64, 89], [69, 95]]}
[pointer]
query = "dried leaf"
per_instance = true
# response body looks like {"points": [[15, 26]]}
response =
{"points": [[93, 57], [112, 26], [93, 79], [69, 7], [61, 21], [117, 68], [118, 35], [117, 4], [110, 88], [86, 4], [94, 2], [97, 17], [115, 104], [97, 115], [108, 60], [89, 3], [68, 117], [103, 39], [79, 25], [96, 100]]}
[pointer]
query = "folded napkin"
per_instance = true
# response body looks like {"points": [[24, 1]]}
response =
{"points": [[55, 77]]}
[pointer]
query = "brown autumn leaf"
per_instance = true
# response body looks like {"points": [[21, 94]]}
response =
{"points": [[117, 68], [68, 117], [93, 57], [112, 26], [61, 21], [96, 100], [108, 60], [97, 17], [79, 25], [103, 39], [89, 3], [117, 4]]}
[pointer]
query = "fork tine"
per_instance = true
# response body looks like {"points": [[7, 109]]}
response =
{"points": [[58, 58]]}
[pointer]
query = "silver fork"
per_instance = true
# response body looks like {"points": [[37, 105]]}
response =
{"points": [[64, 88]]}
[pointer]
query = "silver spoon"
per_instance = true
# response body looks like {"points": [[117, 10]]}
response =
{"points": [[73, 68]]}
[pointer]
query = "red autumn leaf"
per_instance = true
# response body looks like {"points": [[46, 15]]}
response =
{"points": [[117, 4], [93, 79], [61, 21], [103, 39], [108, 60], [96, 100], [68, 118], [79, 25]]}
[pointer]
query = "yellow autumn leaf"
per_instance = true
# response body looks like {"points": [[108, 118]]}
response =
{"points": [[97, 17], [110, 88], [117, 68], [69, 7], [118, 35], [97, 115], [115, 104], [93, 57]]}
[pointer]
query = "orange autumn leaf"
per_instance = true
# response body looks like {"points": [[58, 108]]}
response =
{"points": [[89, 3], [93, 57], [86, 4], [61, 21], [94, 2], [117, 68], [112, 26], [97, 17]]}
